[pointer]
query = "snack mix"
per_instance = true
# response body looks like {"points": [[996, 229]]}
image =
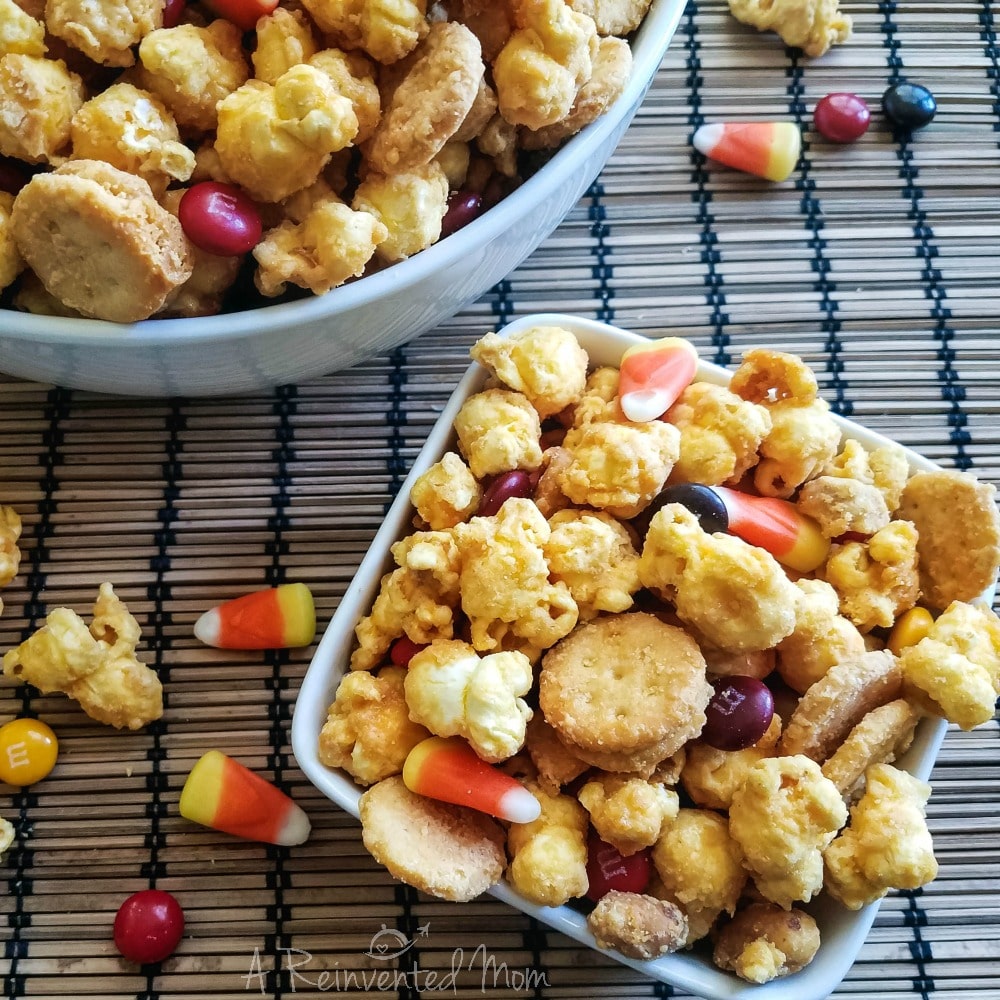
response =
{"points": [[161, 160], [579, 592]]}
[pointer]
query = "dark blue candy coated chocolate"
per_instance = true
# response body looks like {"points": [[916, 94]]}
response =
{"points": [[702, 501], [909, 106]]}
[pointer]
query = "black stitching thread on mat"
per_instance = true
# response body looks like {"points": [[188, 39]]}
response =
{"points": [[158, 592], [920, 950], [952, 391], [279, 711], [22, 858], [602, 272], [408, 925], [396, 463], [710, 256], [501, 303], [812, 209]]}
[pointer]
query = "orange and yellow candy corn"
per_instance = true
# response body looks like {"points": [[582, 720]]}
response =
{"points": [[278, 618], [794, 539], [765, 149], [222, 794], [450, 771], [651, 376]]}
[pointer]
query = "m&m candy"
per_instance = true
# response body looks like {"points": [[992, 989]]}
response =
{"points": [[149, 926], [28, 751], [909, 106], [842, 117]]}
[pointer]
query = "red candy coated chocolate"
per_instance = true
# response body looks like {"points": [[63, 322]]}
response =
{"points": [[842, 117], [516, 483], [220, 219], [148, 926], [403, 650], [607, 869]]}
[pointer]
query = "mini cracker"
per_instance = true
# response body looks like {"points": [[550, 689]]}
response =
{"points": [[624, 685], [878, 738], [838, 701], [443, 850]]}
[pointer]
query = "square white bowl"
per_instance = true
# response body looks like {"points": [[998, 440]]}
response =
{"points": [[843, 931]]}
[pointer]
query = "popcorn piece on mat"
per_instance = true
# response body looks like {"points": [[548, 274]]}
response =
{"points": [[783, 817], [368, 731], [443, 850], [223, 794], [277, 618], [453, 691], [651, 376], [810, 25], [96, 667], [10, 554], [764, 942], [958, 534], [954, 671], [637, 925], [449, 770], [764, 149], [549, 855], [887, 846], [7, 835]]}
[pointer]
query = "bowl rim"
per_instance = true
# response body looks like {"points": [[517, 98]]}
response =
{"points": [[839, 950], [649, 45]]}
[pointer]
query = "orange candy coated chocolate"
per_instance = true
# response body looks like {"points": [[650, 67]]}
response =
{"points": [[449, 770]]}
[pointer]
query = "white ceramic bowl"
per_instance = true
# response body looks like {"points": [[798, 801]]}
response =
{"points": [[843, 931], [260, 348]]}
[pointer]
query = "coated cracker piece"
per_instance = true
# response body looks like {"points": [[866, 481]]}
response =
{"points": [[622, 685], [958, 528], [446, 851], [100, 242], [878, 738], [837, 702], [431, 102]]}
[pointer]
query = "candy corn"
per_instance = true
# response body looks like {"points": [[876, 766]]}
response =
{"points": [[222, 794], [449, 770], [278, 618], [765, 149], [651, 376], [794, 539]]}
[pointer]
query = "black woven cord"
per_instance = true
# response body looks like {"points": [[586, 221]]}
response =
{"points": [[603, 271]]}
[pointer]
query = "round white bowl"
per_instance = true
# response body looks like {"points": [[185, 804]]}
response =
{"points": [[260, 348]]}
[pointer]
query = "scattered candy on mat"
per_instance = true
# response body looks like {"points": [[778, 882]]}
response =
{"points": [[223, 794], [149, 926], [653, 375], [28, 751], [909, 106], [449, 770], [841, 117], [764, 149], [279, 618]]}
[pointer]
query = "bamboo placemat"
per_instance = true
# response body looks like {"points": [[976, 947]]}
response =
{"points": [[877, 262]]}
